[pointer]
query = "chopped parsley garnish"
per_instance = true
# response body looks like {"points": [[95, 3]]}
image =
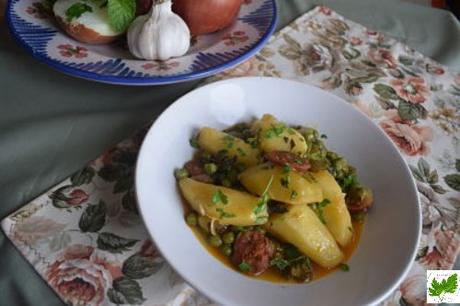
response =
{"points": [[348, 181], [285, 180], [293, 194], [287, 168], [318, 208], [261, 219], [252, 141], [229, 141], [219, 197], [344, 267], [275, 130], [244, 266], [262, 204], [76, 10], [224, 214], [280, 263], [241, 152], [194, 142]]}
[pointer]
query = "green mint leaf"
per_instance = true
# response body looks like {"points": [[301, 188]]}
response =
{"points": [[76, 10], [121, 13]]}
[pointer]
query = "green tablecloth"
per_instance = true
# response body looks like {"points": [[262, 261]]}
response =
{"points": [[51, 124]]}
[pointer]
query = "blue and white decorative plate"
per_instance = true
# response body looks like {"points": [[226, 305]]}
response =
{"points": [[35, 28]]}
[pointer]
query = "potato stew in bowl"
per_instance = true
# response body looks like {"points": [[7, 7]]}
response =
{"points": [[271, 201]]}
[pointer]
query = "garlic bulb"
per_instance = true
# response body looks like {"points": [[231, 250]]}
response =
{"points": [[159, 35]]}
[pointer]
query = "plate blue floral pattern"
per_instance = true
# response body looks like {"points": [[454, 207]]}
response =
{"points": [[33, 26]]}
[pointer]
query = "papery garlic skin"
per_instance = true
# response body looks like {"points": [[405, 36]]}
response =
{"points": [[159, 35]]}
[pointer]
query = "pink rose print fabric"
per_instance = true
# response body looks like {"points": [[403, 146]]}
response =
{"points": [[85, 236]]}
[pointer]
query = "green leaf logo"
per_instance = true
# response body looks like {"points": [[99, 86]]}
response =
{"points": [[446, 285]]}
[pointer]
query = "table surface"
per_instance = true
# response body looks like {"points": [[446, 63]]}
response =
{"points": [[52, 124]]}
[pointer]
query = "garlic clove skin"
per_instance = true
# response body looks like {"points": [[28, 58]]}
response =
{"points": [[159, 35]]}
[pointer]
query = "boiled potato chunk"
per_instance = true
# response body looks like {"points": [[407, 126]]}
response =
{"points": [[227, 205], [301, 227], [289, 187], [276, 136], [336, 214], [213, 141]]}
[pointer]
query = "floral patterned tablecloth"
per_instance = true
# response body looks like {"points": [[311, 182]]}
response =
{"points": [[85, 237]]}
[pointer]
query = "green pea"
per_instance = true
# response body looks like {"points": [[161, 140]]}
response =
{"points": [[228, 237], [191, 219], [181, 173], [226, 249], [210, 168], [215, 240]]}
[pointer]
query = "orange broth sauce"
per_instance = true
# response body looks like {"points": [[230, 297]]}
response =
{"points": [[272, 274]]}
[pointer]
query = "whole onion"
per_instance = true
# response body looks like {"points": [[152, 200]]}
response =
{"points": [[207, 16]]}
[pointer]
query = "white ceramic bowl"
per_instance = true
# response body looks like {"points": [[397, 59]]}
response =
{"points": [[391, 234]]}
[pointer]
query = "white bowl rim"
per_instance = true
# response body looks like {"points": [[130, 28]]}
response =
{"points": [[184, 98]]}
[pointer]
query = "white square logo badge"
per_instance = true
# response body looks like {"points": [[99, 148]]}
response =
{"points": [[443, 286]]}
